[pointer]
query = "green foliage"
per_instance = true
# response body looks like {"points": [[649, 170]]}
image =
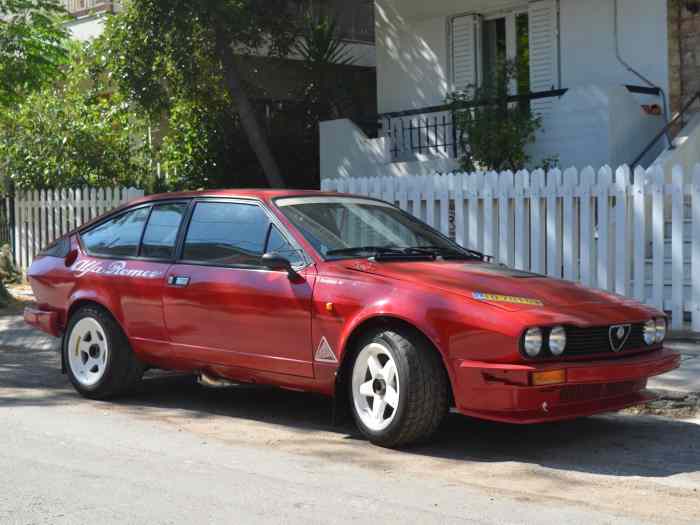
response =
{"points": [[163, 56], [325, 95], [32, 47], [78, 132], [493, 132], [320, 43]]}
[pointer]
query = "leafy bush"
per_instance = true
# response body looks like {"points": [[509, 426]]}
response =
{"points": [[493, 132], [76, 133]]}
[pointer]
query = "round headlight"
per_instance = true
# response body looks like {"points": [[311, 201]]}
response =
{"points": [[660, 330], [557, 340], [533, 342], [650, 332]]}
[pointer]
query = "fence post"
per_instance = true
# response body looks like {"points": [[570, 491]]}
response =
{"points": [[505, 226], [677, 258], [622, 177], [490, 187], [586, 251], [603, 245], [537, 225], [695, 262], [570, 225], [640, 239], [554, 229], [522, 181], [474, 185], [18, 236], [656, 175], [458, 195]]}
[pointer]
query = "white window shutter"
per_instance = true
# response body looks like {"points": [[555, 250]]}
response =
{"points": [[464, 51], [544, 51]]}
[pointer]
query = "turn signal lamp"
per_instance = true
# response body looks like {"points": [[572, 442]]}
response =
{"points": [[548, 377]]}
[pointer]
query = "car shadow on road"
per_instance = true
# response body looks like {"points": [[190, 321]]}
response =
{"points": [[613, 445]]}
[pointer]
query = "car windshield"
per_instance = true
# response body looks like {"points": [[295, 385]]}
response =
{"points": [[348, 227]]}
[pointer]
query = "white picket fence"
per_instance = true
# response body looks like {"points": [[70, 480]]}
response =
{"points": [[639, 239], [43, 216]]}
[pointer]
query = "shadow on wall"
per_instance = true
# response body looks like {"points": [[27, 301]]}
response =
{"points": [[411, 71]]}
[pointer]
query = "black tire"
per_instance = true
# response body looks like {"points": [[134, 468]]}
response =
{"points": [[423, 388], [122, 372]]}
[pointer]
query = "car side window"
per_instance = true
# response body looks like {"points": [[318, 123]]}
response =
{"points": [[160, 237], [277, 243], [227, 234], [118, 237]]}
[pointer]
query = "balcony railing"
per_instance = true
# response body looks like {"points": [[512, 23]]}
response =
{"points": [[80, 8], [431, 131]]}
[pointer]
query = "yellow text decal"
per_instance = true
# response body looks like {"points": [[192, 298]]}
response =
{"points": [[495, 298]]}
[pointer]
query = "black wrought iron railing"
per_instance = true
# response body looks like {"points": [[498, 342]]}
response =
{"points": [[432, 130]]}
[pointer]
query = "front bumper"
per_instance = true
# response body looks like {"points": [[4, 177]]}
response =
{"points": [[504, 392], [44, 320]]}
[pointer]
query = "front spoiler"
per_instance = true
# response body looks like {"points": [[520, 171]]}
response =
{"points": [[503, 393]]}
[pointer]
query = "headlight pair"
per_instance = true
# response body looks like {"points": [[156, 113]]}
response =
{"points": [[655, 331], [534, 339]]}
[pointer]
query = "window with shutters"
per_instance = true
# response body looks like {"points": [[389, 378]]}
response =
{"points": [[527, 35]]}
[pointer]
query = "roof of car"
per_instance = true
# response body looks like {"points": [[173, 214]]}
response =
{"points": [[262, 194]]}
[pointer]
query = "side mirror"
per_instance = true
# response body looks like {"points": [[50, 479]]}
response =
{"points": [[276, 262]]}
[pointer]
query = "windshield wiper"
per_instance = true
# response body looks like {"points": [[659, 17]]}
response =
{"points": [[445, 253], [380, 253]]}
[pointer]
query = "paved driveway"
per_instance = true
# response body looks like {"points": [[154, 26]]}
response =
{"points": [[177, 453]]}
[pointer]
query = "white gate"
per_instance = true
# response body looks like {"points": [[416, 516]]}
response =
{"points": [[638, 239], [43, 216]]}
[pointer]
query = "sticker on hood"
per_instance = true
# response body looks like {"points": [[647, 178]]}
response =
{"points": [[496, 298]]}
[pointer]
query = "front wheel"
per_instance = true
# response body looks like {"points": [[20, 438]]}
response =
{"points": [[398, 388], [97, 354]]}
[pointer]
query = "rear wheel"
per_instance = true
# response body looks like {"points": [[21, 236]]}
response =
{"points": [[97, 354], [398, 388]]}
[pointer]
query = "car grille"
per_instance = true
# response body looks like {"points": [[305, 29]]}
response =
{"points": [[586, 341]]}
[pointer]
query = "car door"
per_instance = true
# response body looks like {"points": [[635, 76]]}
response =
{"points": [[223, 307], [127, 258]]}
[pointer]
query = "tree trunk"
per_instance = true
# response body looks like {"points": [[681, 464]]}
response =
{"points": [[246, 112]]}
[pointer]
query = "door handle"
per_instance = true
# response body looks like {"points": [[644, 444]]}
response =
{"points": [[179, 281]]}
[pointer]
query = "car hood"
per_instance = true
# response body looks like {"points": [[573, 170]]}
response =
{"points": [[494, 284]]}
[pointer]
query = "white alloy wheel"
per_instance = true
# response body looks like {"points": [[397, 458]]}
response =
{"points": [[88, 351], [375, 386]]}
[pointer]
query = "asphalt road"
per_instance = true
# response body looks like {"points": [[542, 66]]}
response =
{"points": [[177, 453]]}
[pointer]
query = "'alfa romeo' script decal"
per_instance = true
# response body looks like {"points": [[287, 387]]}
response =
{"points": [[115, 269]]}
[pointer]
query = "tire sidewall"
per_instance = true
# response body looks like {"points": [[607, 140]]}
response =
{"points": [[99, 317]]}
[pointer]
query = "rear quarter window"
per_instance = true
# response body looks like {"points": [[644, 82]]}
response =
{"points": [[118, 237], [59, 248]]}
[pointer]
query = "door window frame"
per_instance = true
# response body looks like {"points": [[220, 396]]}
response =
{"points": [[273, 221]]}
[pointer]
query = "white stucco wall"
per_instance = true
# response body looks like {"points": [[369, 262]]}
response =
{"points": [[411, 60], [593, 126], [412, 40], [347, 152], [588, 45]]}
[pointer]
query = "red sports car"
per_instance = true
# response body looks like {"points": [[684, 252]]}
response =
{"points": [[346, 296]]}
